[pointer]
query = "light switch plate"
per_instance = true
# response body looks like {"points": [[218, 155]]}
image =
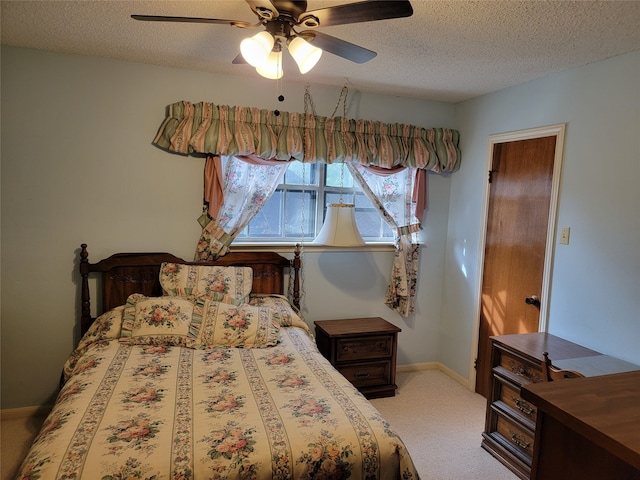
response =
{"points": [[564, 235]]}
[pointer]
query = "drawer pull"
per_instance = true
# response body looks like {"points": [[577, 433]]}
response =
{"points": [[361, 374], [522, 371], [523, 406], [520, 441]]}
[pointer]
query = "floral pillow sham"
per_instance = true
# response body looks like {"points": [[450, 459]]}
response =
{"points": [[158, 320], [289, 316], [206, 281], [247, 326]]}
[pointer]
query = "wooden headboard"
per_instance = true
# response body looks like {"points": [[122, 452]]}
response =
{"points": [[127, 273]]}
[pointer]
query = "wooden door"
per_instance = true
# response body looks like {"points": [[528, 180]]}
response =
{"points": [[515, 243]]}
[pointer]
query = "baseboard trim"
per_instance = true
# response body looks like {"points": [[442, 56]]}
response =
{"points": [[416, 367], [24, 412]]}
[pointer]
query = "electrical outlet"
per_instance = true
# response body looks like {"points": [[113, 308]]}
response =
{"points": [[564, 235]]}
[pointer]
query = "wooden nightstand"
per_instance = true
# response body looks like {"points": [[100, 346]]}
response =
{"points": [[363, 350]]}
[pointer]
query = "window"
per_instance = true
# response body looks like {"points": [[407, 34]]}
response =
{"points": [[297, 208]]}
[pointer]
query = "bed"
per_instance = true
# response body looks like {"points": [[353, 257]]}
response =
{"points": [[204, 371]]}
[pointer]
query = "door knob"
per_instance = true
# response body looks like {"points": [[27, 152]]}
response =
{"points": [[533, 300]]}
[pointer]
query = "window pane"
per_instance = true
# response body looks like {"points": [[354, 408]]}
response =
{"points": [[268, 221], [297, 171], [332, 197], [369, 221], [286, 216], [362, 201], [338, 175], [299, 216]]}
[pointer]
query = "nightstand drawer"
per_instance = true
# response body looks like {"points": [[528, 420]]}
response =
{"points": [[367, 374], [364, 348]]}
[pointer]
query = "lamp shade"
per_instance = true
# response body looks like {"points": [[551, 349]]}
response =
{"points": [[339, 228], [272, 68], [305, 54], [255, 50]]}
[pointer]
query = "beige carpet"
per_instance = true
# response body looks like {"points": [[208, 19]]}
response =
{"points": [[17, 434], [439, 420], [441, 423]]}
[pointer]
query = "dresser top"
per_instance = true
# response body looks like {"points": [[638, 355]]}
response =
{"points": [[534, 345], [356, 326]]}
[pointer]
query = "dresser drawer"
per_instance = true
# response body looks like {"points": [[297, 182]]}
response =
{"points": [[519, 368], [364, 348], [509, 395], [516, 437], [367, 374]]}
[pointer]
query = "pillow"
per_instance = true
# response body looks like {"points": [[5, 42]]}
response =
{"points": [[288, 314], [106, 327], [157, 320], [206, 281], [222, 324]]}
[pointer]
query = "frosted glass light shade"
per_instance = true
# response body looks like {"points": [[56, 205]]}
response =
{"points": [[339, 228], [272, 68], [305, 54], [255, 50]]}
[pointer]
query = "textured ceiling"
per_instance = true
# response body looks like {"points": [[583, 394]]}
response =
{"points": [[448, 50]]}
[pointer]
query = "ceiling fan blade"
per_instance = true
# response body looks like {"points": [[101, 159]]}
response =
{"points": [[338, 47], [162, 18], [366, 11]]}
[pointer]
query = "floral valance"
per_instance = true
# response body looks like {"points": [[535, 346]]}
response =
{"points": [[205, 128]]}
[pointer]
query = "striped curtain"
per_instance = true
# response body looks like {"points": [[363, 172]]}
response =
{"points": [[205, 128]]}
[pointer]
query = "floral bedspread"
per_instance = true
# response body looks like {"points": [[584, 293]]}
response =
{"points": [[169, 412]]}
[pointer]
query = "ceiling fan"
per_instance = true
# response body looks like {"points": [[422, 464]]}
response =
{"points": [[283, 18]]}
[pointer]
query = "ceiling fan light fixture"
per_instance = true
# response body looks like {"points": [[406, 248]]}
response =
{"points": [[305, 54], [256, 50], [272, 68]]}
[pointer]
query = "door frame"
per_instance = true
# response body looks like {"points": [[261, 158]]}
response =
{"points": [[558, 131]]}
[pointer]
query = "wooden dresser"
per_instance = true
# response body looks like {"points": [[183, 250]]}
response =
{"points": [[510, 420], [363, 350]]}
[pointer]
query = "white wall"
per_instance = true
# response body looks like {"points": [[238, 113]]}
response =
{"points": [[78, 166], [595, 291]]}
